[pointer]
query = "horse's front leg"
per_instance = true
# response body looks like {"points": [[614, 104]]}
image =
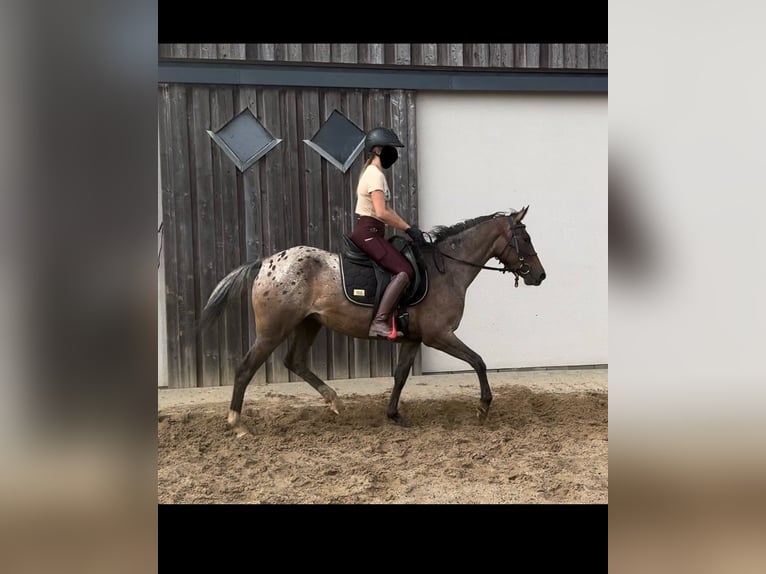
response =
{"points": [[407, 353], [450, 344]]}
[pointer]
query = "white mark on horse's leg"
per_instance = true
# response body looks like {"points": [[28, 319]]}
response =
{"points": [[236, 424]]}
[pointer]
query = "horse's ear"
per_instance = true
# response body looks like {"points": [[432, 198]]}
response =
{"points": [[520, 215]]}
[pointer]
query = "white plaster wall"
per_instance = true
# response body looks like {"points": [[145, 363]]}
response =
{"points": [[480, 153]]}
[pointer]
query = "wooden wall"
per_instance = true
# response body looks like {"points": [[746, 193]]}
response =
{"points": [[542, 56], [216, 218]]}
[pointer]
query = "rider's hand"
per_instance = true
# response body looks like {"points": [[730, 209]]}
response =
{"points": [[416, 235]]}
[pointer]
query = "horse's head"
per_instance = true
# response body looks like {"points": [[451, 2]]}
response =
{"points": [[514, 250]]}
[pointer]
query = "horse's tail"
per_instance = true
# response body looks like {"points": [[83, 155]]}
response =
{"points": [[235, 283]]}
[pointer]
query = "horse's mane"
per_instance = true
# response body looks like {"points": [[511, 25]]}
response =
{"points": [[442, 232]]}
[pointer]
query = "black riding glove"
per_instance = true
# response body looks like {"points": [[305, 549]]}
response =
{"points": [[417, 236]]}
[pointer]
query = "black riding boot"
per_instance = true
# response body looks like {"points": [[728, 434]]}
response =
{"points": [[384, 325]]}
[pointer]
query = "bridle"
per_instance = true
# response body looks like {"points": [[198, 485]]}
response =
{"points": [[523, 267]]}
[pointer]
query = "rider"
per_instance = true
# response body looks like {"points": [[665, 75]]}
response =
{"points": [[369, 233]]}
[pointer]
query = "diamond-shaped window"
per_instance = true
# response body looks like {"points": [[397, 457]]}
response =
{"points": [[244, 139], [339, 141]]}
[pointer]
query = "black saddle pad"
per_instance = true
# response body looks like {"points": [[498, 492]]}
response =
{"points": [[360, 275]]}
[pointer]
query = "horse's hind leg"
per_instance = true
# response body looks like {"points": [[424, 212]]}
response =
{"points": [[297, 361], [255, 357]]}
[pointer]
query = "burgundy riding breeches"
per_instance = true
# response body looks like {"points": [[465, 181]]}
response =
{"points": [[369, 235]]}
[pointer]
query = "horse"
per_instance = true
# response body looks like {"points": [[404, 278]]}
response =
{"points": [[299, 290]]}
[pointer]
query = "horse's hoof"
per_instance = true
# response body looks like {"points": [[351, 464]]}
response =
{"points": [[399, 420], [482, 413], [241, 431], [336, 406]]}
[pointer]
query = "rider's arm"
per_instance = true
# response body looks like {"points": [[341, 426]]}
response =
{"points": [[385, 213]]}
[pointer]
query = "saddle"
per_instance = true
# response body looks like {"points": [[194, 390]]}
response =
{"points": [[364, 281]]}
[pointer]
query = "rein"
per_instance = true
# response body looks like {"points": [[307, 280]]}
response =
{"points": [[505, 269]]}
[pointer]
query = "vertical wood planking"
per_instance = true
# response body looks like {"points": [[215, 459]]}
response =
{"points": [[402, 54], [170, 218], [582, 55], [237, 52], [265, 52], [205, 240], [555, 55], [507, 55], [252, 217], [362, 53], [597, 56], [416, 54], [412, 191], [389, 53], [182, 205], [348, 54], [429, 54], [232, 325], [545, 55], [412, 155], [338, 344], [307, 53], [375, 54], [179, 50], [533, 55], [480, 55], [467, 55], [375, 116], [519, 56], [360, 360], [272, 178], [294, 52], [280, 52], [251, 51], [346, 195], [442, 54], [496, 55], [208, 51], [570, 55], [455, 55], [315, 216], [398, 175], [322, 53]]}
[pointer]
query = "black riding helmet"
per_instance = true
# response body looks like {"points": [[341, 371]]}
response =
{"points": [[382, 137]]}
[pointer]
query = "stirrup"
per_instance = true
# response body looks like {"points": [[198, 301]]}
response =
{"points": [[392, 335]]}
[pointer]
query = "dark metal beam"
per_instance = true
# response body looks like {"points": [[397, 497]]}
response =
{"points": [[466, 79]]}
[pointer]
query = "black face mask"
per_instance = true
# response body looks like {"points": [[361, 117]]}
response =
{"points": [[388, 156]]}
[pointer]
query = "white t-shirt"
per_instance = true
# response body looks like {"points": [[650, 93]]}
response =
{"points": [[372, 179]]}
